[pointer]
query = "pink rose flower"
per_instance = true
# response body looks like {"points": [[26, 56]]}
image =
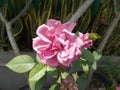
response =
{"points": [[87, 42], [56, 45], [117, 87]]}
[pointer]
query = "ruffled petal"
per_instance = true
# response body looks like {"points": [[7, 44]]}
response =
{"points": [[39, 44], [69, 26], [53, 62], [57, 25], [47, 54], [42, 32], [52, 22]]}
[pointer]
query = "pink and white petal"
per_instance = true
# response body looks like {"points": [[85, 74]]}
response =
{"points": [[59, 29], [66, 64], [47, 54], [72, 51], [69, 26], [84, 36], [42, 29], [53, 62], [62, 36], [56, 44], [64, 67], [57, 25], [77, 54], [62, 42], [52, 22], [88, 44], [64, 55], [63, 59], [79, 42], [39, 44], [41, 32], [69, 36], [59, 58]]}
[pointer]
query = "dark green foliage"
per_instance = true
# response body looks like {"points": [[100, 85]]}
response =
{"points": [[95, 20], [112, 70]]}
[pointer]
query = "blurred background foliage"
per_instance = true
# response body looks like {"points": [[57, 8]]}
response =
{"points": [[96, 20]]}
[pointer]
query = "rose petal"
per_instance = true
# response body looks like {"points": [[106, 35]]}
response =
{"points": [[84, 36], [70, 36], [57, 25], [39, 44], [52, 22], [72, 51], [51, 62], [47, 54], [69, 26], [88, 44], [41, 32]]}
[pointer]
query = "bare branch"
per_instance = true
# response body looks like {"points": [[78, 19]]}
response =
{"points": [[21, 13], [115, 7], [11, 38], [110, 28], [9, 28], [81, 10], [108, 33], [2, 18]]}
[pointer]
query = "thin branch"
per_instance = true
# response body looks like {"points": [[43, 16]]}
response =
{"points": [[2, 18], [115, 7], [81, 10], [11, 38], [9, 27], [110, 28], [108, 33], [22, 12]]}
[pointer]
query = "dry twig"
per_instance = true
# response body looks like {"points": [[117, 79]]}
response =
{"points": [[81, 10]]}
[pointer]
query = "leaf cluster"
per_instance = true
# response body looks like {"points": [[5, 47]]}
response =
{"points": [[38, 72]]}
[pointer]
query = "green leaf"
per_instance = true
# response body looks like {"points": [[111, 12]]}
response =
{"points": [[75, 66], [21, 64], [86, 54], [36, 75], [82, 82], [64, 75], [53, 72], [75, 75], [85, 68], [94, 66], [55, 87], [94, 36], [96, 55], [39, 85]]}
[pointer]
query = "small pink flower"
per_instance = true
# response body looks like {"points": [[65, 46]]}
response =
{"points": [[87, 42], [117, 87], [56, 45]]}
